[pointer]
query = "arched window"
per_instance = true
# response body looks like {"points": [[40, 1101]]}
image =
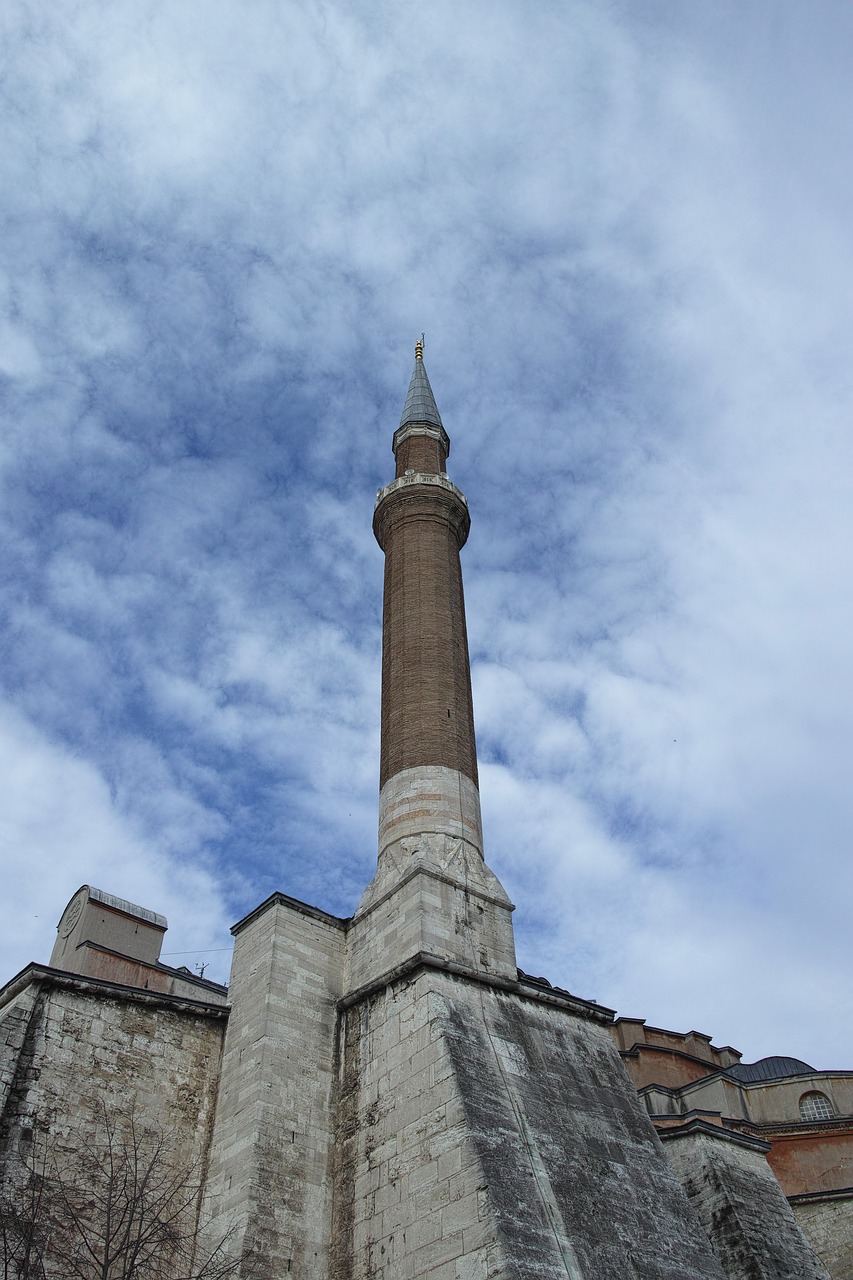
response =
{"points": [[816, 1106]]}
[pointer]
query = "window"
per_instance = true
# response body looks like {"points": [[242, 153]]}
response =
{"points": [[816, 1106]]}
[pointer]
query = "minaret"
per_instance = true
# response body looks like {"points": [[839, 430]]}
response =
{"points": [[429, 804], [421, 522]]}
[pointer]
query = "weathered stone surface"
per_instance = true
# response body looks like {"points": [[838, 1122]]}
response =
{"points": [[493, 1135], [409, 1187], [457, 912], [741, 1205], [73, 1048], [269, 1176], [447, 1123], [14, 1023], [826, 1223]]}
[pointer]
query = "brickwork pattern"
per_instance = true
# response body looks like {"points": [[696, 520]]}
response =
{"points": [[427, 711], [421, 452]]}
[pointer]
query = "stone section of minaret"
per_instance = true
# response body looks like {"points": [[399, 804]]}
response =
{"points": [[433, 892]]}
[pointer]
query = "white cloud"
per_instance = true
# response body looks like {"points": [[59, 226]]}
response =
{"points": [[60, 826], [626, 237]]}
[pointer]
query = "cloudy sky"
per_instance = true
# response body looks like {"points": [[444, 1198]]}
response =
{"points": [[626, 231]]}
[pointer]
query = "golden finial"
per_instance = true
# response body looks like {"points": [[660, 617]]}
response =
{"points": [[419, 349]]}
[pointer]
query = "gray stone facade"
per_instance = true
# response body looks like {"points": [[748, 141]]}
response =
{"points": [[741, 1206], [439, 1121], [72, 1048], [275, 1120], [488, 1132], [825, 1219]]}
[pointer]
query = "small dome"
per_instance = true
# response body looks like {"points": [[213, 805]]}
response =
{"points": [[769, 1069]]}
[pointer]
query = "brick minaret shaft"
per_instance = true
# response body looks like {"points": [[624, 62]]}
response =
{"points": [[428, 769]]}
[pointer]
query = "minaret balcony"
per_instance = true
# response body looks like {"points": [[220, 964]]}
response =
{"points": [[419, 494], [420, 477]]}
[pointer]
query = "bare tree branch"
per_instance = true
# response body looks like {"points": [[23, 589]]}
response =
{"points": [[119, 1204]]}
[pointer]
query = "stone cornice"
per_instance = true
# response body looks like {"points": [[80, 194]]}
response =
{"points": [[572, 1004], [283, 900], [715, 1131], [43, 975], [420, 478], [421, 429], [813, 1079], [815, 1197]]}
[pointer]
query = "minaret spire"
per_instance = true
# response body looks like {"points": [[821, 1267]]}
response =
{"points": [[429, 803], [420, 403]]}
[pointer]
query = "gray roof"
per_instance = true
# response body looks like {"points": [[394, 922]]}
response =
{"points": [[129, 908], [769, 1069], [420, 403]]}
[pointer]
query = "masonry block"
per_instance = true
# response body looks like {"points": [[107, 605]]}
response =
{"points": [[741, 1205], [538, 1161]]}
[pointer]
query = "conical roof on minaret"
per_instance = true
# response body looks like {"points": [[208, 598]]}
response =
{"points": [[420, 403]]}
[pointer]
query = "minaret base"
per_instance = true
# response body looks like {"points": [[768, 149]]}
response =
{"points": [[436, 1124], [433, 893], [430, 797], [485, 1132]]}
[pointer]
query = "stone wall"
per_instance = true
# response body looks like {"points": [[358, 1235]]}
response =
{"points": [[435, 896], [741, 1205], [71, 1048], [484, 1132], [270, 1169], [825, 1221], [14, 1023], [94, 1078]]}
